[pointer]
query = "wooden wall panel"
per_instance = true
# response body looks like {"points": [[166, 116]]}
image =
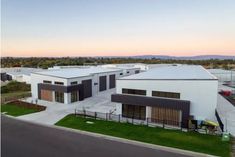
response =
{"points": [[169, 116], [46, 95]]}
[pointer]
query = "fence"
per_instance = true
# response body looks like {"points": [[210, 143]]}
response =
{"points": [[121, 119]]}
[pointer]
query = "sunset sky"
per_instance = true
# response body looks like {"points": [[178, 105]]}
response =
{"points": [[117, 27]]}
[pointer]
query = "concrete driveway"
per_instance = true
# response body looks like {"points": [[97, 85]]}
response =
{"points": [[56, 111]]}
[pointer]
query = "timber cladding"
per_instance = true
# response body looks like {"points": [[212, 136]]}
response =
{"points": [[46, 95], [167, 115]]}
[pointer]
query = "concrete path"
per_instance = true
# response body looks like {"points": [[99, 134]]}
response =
{"points": [[56, 111]]}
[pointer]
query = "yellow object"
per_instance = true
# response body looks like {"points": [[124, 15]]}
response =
{"points": [[211, 123]]}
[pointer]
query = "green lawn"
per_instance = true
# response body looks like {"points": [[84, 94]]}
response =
{"points": [[14, 110], [189, 141]]}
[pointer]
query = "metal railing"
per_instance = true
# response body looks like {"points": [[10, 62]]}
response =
{"points": [[121, 119]]}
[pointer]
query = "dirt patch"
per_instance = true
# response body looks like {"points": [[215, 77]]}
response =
{"points": [[27, 105]]}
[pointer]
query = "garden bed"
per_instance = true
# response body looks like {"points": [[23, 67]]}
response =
{"points": [[18, 108]]}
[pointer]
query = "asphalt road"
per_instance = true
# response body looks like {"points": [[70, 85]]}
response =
{"points": [[23, 139]]}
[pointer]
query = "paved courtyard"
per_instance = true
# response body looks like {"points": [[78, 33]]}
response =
{"points": [[56, 111]]}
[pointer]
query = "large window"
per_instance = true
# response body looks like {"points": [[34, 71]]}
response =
{"points": [[166, 94], [74, 96], [133, 91], [133, 111], [59, 97]]}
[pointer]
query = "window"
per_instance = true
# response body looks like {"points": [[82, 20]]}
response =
{"points": [[121, 74], [59, 97], [133, 91], [46, 81], [74, 83], [74, 96], [59, 83], [166, 94], [137, 71], [133, 111]]}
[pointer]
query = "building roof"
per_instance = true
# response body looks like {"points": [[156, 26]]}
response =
{"points": [[76, 72], [179, 72], [220, 71], [16, 71]]}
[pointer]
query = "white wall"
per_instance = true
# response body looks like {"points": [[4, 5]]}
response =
{"points": [[27, 79], [202, 94]]}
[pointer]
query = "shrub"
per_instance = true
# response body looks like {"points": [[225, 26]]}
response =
{"points": [[14, 86]]}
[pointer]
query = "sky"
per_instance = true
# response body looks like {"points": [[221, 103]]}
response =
{"points": [[44, 28]]}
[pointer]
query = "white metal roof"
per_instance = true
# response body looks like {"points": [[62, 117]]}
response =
{"points": [[220, 71], [20, 71], [76, 72], [179, 72]]}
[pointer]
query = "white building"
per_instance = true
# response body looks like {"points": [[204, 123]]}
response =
{"points": [[69, 85], [20, 74], [172, 93]]}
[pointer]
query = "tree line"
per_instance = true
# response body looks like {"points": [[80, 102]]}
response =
{"points": [[46, 62]]}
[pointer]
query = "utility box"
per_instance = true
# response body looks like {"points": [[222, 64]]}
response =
{"points": [[225, 137]]}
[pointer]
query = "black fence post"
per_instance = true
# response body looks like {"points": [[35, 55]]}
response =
{"points": [[119, 117], [163, 124], [106, 116], [85, 113], [147, 121], [75, 113], [95, 115]]}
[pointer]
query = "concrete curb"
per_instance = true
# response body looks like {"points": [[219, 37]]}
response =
{"points": [[123, 140]]}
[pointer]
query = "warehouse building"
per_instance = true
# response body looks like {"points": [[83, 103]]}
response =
{"points": [[173, 94], [70, 85]]}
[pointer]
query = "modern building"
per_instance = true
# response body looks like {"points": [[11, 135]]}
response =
{"points": [[68, 85], [173, 94]]}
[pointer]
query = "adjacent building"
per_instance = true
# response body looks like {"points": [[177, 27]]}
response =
{"points": [[68, 85], [173, 94], [20, 74]]}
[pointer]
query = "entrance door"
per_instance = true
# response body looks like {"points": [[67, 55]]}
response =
{"points": [[166, 115], [74, 96]]}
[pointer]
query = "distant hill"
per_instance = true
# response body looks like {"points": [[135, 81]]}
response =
{"points": [[201, 57]]}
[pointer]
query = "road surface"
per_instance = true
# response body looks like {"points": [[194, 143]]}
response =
{"points": [[23, 139]]}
